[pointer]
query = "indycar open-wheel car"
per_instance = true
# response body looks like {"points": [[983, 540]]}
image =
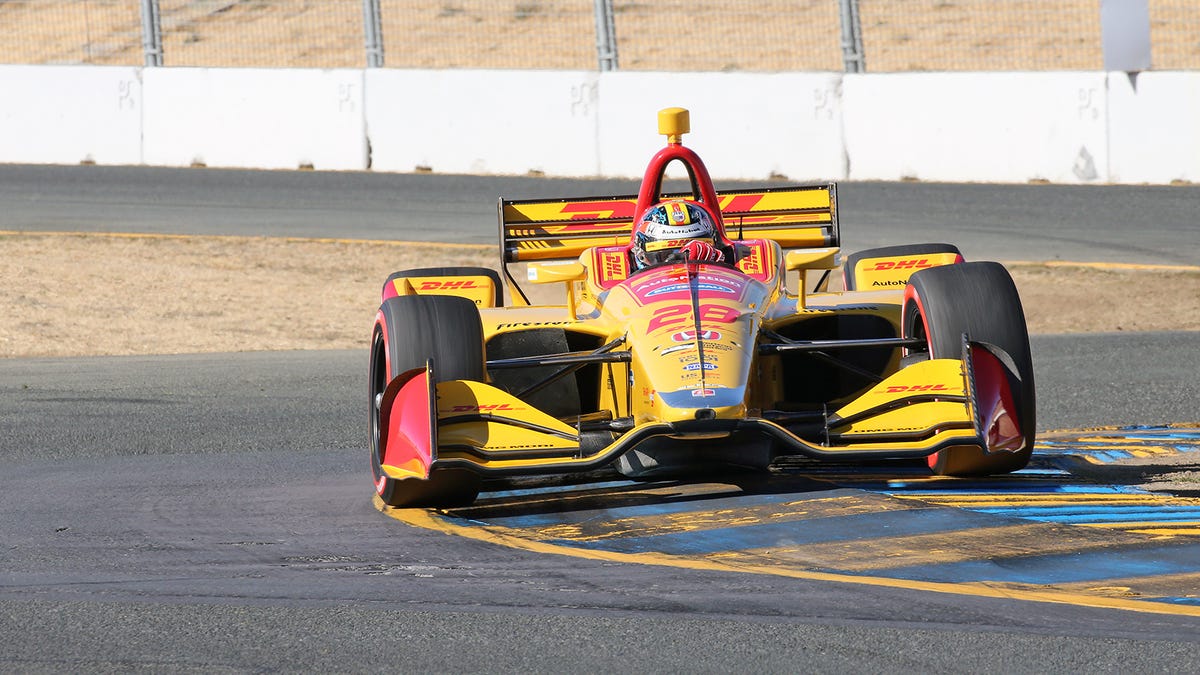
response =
{"points": [[704, 360]]}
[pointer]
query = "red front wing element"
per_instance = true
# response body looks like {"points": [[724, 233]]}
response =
{"points": [[408, 440]]}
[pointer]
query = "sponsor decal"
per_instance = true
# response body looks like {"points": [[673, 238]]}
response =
{"points": [[676, 288], [599, 209], [713, 281], [613, 266], [752, 263], [455, 285], [703, 393], [739, 202], [677, 213], [915, 388], [691, 335], [534, 324], [913, 264], [380, 484], [698, 366], [843, 308], [486, 407], [889, 283], [677, 348]]}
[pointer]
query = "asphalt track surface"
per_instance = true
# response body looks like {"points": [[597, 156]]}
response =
{"points": [[214, 512], [1132, 224]]}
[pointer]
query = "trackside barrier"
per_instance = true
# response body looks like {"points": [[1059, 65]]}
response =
{"points": [[70, 115], [1155, 122], [744, 125], [1003, 127], [1070, 127], [254, 118], [483, 121]]}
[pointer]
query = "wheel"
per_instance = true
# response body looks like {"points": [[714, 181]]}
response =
{"points": [[498, 300], [409, 330], [941, 254], [980, 299]]}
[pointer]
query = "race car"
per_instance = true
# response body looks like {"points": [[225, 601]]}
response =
{"points": [[698, 332]]}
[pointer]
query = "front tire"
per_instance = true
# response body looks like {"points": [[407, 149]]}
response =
{"points": [[981, 300], [408, 331]]}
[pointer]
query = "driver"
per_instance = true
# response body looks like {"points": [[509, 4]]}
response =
{"points": [[675, 231]]}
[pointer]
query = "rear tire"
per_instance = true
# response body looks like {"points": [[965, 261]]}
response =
{"points": [[453, 272], [981, 300], [848, 281], [409, 330]]}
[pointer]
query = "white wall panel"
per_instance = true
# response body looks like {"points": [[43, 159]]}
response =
{"points": [[1002, 127], [254, 118], [744, 125], [70, 114], [1154, 127], [482, 121]]}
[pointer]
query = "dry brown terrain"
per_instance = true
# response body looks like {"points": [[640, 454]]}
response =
{"points": [[74, 295], [670, 35]]}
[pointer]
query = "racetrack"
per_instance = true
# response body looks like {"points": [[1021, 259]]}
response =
{"points": [[214, 511]]}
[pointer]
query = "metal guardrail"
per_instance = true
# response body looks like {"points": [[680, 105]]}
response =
{"points": [[665, 35]]}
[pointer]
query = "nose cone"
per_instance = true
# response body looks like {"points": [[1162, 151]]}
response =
{"points": [[709, 403]]}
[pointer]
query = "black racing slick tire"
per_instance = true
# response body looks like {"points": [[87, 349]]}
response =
{"points": [[408, 331], [906, 250], [498, 301], [981, 300]]}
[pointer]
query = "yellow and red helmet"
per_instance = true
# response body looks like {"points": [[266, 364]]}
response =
{"points": [[666, 227]]}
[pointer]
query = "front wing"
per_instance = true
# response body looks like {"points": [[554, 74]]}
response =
{"points": [[925, 408]]}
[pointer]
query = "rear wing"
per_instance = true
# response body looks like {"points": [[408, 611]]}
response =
{"points": [[561, 229]]}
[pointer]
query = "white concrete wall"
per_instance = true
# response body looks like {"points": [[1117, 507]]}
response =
{"points": [[1069, 127], [1154, 127], [254, 118], [1005, 127], [70, 114], [481, 121], [744, 125]]}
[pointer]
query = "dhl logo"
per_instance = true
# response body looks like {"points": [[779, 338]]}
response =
{"points": [[486, 407], [449, 285], [613, 266], [624, 209], [916, 388], [752, 263], [605, 210], [915, 264]]}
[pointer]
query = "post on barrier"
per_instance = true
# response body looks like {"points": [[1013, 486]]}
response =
{"points": [[606, 35], [151, 34], [852, 48], [373, 33]]}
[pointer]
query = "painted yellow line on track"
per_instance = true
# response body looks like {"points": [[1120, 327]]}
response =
{"points": [[235, 237], [505, 537], [1119, 266]]}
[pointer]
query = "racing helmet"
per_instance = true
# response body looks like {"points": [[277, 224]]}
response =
{"points": [[666, 227]]}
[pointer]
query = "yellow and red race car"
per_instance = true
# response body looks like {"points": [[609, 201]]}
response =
{"points": [[698, 332]]}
